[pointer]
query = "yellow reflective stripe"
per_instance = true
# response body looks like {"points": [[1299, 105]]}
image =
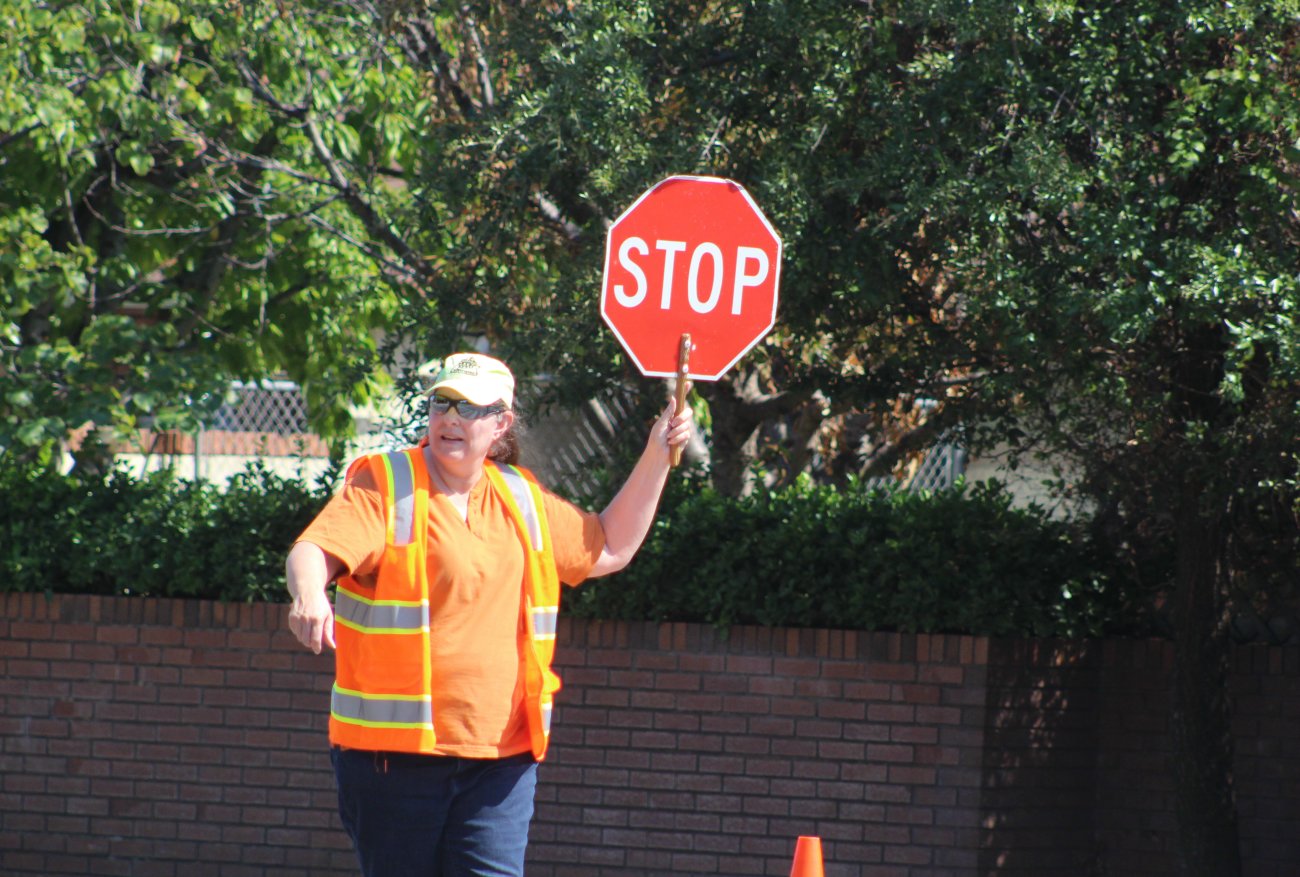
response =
{"points": [[388, 493], [392, 726], [362, 598], [521, 490], [399, 488], [402, 490], [382, 630], [381, 710], [360, 613], [367, 724], [352, 692]]}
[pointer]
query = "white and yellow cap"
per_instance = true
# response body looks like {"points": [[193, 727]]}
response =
{"points": [[480, 379]]}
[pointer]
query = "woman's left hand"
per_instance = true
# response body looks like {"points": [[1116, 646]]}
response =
{"points": [[673, 429]]}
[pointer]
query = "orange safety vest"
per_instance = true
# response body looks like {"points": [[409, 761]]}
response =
{"points": [[383, 691]]}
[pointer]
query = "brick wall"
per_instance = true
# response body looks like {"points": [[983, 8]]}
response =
{"points": [[186, 738], [161, 737], [683, 751]]}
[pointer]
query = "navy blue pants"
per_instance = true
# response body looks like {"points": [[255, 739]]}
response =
{"points": [[436, 816]]}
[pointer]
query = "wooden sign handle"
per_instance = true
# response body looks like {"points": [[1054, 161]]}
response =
{"points": [[683, 360]]}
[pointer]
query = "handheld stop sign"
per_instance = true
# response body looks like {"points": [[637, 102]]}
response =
{"points": [[692, 270]]}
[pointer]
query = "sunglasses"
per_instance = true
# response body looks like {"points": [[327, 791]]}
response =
{"points": [[467, 410]]}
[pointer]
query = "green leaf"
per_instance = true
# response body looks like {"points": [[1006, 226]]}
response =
{"points": [[141, 163], [71, 38], [202, 29]]}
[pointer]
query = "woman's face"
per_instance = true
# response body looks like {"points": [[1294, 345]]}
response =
{"points": [[460, 442]]}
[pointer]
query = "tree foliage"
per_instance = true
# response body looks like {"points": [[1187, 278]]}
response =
{"points": [[965, 191], [1066, 226], [192, 192]]}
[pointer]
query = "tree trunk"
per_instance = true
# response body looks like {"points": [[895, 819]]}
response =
{"points": [[733, 433], [740, 406], [1208, 843]]}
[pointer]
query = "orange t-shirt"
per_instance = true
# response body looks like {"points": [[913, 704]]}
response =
{"points": [[476, 573]]}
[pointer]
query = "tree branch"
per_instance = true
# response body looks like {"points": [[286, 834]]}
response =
{"points": [[375, 225], [260, 89], [424, 50], [551, 211], [883, 458], [480, 59]]}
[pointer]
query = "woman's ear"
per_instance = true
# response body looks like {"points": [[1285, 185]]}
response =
{"points": [[504, 422]]}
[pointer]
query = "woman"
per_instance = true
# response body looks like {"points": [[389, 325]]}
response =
{"points": [[449, 561]]}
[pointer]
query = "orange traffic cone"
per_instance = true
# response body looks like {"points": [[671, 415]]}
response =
{"points": [[808, 858]]}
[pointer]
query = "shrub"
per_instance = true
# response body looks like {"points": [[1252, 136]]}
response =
{"points": [[961, 560], [155, 535]]}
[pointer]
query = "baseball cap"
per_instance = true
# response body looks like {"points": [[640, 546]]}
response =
{"points": [[480, 379]]}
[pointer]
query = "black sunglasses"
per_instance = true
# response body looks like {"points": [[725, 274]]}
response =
{"points": [[467, 410]]}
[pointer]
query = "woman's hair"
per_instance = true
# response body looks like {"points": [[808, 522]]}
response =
{"points": [[508, 448]]}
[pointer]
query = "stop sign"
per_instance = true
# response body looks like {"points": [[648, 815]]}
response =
{"points": [[693, 255]]}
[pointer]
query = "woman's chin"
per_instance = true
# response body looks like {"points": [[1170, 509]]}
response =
{"points": [[449, 450]]}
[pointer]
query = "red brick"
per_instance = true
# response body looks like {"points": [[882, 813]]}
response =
{"points": [[892, 672], [795, 668], [754, 705], [840, 751], [777, 686], [677, 682], [31, 632], [794, 748], [890, 753], [868, 691], [844, 710], [891, 713], [749, 665], [787, 706]]}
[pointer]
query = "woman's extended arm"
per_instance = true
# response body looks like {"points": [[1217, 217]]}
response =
{"points": [[628, 516], [308, 571]]}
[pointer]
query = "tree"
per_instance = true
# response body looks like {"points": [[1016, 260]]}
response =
{"points": [[1068, 226], [194, 192], [1118, 204], [590, 106]]}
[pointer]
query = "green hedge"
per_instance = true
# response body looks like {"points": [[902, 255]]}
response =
{"points": [[152, 536], [960, 560]]}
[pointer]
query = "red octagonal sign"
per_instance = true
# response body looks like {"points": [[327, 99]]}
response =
{"points": [[693, 255]]}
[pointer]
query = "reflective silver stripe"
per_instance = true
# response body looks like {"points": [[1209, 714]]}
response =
{"points": [[377, 615], [519, 489], [546, 717], [544, 619], [403, 499], [381, 710]]}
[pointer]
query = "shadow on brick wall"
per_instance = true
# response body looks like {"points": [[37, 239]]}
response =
{"points": [[1040, 771]]}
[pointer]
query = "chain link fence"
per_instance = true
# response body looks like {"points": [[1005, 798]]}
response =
{"points": [[275, 407], [266, 422], [263, 422]]}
